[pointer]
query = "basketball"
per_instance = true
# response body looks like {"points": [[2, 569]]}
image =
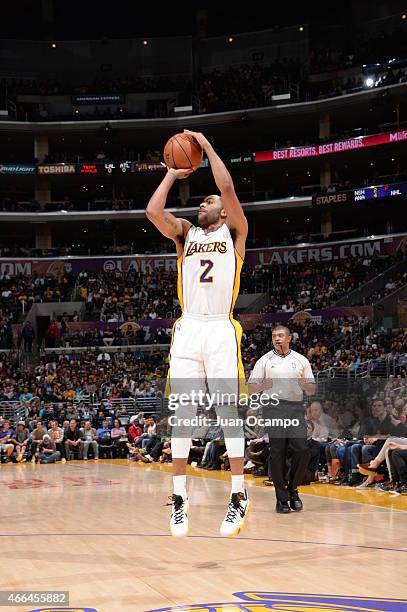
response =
{"points": [[182, 151]]}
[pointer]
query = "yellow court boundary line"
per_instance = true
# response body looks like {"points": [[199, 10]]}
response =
{"points": [[346, 494]]}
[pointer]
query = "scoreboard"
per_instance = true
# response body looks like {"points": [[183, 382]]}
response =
{"points": [[376, 192]]}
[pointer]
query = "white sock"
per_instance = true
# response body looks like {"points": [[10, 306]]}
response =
{"points": [[237, 483], [180, 485]]}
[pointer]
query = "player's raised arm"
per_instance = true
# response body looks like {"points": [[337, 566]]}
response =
{"points": [[236, 219], [168, 224]]}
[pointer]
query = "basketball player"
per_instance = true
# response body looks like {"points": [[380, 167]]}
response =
{"points": [[288, 375], [205, 346]]}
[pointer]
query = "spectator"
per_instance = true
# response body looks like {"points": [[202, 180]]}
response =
{"points": [[119, 438], [89, 436], [73, 440], [134, 432], [324, 427], [36, 439], [104, 430], [47, 452], [148, 437], [21, 441], [56, 434], [398, 459], [28, 336], [6, 437]]}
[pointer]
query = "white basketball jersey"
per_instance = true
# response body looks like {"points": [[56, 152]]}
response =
{"points": [[209, 272]]}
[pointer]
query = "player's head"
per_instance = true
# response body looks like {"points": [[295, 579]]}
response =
{"points": [[211, 211], [281, 338]]}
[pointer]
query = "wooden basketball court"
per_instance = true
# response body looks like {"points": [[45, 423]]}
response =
{"points": [[100, 531]]}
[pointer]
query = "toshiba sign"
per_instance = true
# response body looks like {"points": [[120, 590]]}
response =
{"points": [[56, 169]]}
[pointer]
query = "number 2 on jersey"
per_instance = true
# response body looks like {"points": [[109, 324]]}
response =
{"points": [[204, 278]]}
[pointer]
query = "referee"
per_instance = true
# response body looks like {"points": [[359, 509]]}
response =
{"points": [[282, 376]]}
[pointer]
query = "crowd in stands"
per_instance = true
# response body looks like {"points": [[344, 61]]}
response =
{"points": [[398, 281], [236, 87], [126, 334], [121, 297], [125, 297], [119, 85], [246, 86], [60, 424], [352, 433], [6, 332], [312, 285], [251, 86], [369, 49], [11, 204], [19, 292], [342, 343], [147, 247], [73, 377], [53, 434]]}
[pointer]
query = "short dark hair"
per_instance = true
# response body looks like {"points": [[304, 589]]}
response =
{"points": [[277, 327]]}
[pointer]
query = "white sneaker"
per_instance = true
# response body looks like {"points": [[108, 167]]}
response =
{"points": [[365, 484], [179, 516], [236, 513]]}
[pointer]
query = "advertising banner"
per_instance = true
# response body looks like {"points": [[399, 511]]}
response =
{"points": [[287, 255], [17, 169], [373, 192], [56, 169], [247, 321], [376, 192], [342, 197], [326, 148], [98, 99], [250, 321], [329, 251], [88, 169], [148, 166]]}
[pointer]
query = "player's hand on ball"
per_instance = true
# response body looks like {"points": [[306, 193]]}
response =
{"points": [[199, 137], [180, 173]]}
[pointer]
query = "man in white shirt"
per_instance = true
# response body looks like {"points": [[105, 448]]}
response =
{"points": [[283, 376], [324, 426]]}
